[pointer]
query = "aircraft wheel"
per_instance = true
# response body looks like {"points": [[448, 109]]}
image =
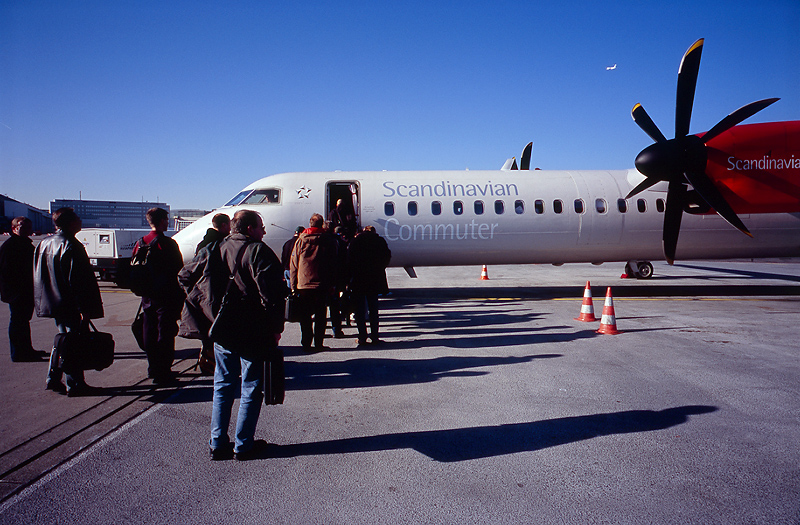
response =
{"points": [[645, 270]]}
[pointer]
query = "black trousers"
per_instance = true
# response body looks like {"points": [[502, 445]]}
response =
{"points": [[19, 327], [364, 302], [314, 304], [160, 329]]}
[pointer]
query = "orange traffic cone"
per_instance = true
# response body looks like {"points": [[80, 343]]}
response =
{"points": [[484, 273], [608, 323], [587, 308]]}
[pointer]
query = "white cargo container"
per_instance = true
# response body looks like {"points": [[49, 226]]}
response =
{"points": [[110, 249]]}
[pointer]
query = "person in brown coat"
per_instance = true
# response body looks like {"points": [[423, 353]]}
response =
{"points": [[312, 271]]}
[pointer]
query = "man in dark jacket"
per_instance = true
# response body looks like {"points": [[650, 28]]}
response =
{"points": [[286, 253], [368, 256], [163, 301], [221, 227], [16, 289], [313, 275], [65, 289], [259, 291]]}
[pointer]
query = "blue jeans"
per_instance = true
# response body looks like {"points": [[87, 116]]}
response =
{"points": [[226, 383], [75, 376]]}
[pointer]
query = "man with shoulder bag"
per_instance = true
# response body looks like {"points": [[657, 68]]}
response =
{"points": [[65, 289], [248, 320]]}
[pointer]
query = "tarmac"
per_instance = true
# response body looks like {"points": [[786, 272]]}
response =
{"points": [[487, 403]]}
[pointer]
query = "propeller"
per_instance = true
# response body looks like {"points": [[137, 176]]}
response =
{"points": [[682, 160], [525, 159]]}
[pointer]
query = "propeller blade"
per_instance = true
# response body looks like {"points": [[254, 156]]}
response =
{"points": [[525, 159], [644, 121], [736, 117], [646, 183], [709, 192], [676, 198], [687, 82]]}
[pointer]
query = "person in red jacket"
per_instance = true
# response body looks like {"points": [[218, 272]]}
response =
{"points": [[163, 301], [312, 271]]}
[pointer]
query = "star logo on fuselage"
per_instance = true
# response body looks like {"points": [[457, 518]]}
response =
{"points": [[303, 192]]}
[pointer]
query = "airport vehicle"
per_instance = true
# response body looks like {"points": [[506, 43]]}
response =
{"points": [[110, 250], [695, 185]]}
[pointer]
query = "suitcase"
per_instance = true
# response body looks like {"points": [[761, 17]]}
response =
{"points": [[274, 378], [85, 349]]}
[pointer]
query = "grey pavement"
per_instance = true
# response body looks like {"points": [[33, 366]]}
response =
{"points": [[488, 403]]}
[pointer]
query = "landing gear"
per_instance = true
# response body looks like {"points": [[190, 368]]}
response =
{"points": [[639, 269]]}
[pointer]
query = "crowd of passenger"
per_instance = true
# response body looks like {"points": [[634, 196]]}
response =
{"points": [[231, 297]]}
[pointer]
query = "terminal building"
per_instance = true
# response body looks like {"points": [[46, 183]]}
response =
{"points": [[109, 214], [10, 208]]}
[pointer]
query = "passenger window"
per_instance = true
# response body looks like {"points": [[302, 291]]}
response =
{"points": [[436, 208], [478, 207], [458, 207], [499, 207], [558, 206], [641, 204], [412, 208], [600, 205], [538, 206], [578, 205], [660, 205], [519, 207], [269, 196], [388, 208], [622, 205]]}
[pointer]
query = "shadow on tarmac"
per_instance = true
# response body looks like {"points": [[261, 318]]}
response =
{"points": [[464, 444], [375, 372]]}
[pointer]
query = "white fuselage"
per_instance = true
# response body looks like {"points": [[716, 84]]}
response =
{"points": [[506, 217]]}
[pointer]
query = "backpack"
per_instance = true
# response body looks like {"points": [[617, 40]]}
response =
{"points": [[141, 277]]}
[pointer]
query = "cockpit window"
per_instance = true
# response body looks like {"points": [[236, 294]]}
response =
{"points": [[269, 196], [239, 197], [264, 196]]}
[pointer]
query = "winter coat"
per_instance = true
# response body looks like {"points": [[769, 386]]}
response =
{"points": [[313, 262], [64, 281], [16, 269], [259, 281], [368, 257]]}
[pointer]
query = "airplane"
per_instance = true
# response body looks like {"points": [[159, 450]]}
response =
{"points": [[697, 186]]}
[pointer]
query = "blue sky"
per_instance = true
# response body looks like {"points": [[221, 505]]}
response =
{"points": [[189, 101]]}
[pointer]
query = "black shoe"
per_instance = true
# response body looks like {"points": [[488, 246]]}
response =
{"points": [[256, 452], [222, 453], [41, 353], [377, 341], [83, 391], [57, 387]]}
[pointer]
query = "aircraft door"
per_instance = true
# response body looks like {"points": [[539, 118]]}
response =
{"points": [[348, 193]]}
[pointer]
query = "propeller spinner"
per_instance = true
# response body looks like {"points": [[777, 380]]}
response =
{"points": [[682, 160]]}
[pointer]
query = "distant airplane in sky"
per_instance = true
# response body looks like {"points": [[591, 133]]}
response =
{"points": [[609, 68]]}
